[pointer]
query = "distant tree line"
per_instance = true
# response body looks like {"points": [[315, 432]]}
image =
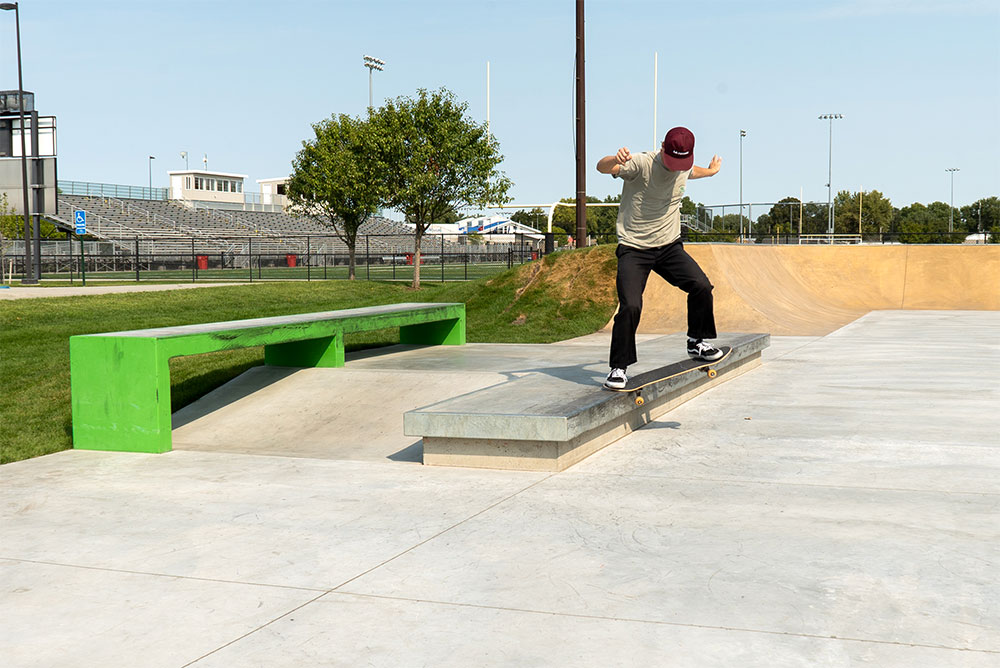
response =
{"points": [[879, 219]]}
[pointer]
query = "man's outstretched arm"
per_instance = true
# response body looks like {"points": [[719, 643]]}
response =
{"points": [[712, 169], [611, 164]]}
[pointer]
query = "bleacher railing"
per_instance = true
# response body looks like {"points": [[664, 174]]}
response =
{"points": [[110, 190]]}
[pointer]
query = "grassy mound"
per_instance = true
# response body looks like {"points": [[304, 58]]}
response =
{"points": [[564, 295]]}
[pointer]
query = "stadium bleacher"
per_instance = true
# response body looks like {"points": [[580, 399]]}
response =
{"points": [[164, 227]]}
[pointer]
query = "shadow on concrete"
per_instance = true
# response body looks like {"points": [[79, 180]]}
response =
{"points": [[253, 380], [413, 453], [656, 424]]}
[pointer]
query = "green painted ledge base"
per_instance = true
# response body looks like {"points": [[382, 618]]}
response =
{"points": [[120, 381]]}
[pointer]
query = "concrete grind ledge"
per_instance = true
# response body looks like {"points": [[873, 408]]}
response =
{"points": [[544, 422]]}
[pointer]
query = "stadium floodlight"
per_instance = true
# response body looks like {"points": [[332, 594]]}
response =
{"points": [[951, 210], [829, 184], [151, 159], [30, 277], [743, 133], [372, 64]]}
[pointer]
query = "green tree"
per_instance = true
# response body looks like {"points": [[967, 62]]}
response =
{"points": [[600, 219], [875, 209], [536, 218], [334, 178], [11, 225], [688, 207], [982, 216], [920, 224], [434, 159], [559, 236]]}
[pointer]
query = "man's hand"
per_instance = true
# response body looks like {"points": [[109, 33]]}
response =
{"points": [[701, 172], [610, 164]]}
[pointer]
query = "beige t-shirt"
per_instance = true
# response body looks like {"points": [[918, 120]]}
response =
{"points": [[650, 212]]}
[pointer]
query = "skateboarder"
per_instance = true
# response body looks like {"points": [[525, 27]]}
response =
{"points": [[649, 231]]}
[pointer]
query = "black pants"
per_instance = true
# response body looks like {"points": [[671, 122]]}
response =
{"points": [[677, 268]]}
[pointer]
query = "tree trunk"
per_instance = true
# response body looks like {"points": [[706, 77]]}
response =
{"points": [[350, 261], [416, 258]]}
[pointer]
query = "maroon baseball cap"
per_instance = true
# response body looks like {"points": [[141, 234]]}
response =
{"points": [[678, 150]]}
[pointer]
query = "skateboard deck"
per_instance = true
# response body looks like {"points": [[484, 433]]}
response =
{"points": [[662, 373]]}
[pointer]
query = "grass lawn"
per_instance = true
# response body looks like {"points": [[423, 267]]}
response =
{"points": [[565, 295]]}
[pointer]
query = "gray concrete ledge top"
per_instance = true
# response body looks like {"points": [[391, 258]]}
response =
{"points": [[559, 402], [299, 318]]}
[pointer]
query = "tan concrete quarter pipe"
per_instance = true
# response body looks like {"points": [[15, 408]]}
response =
{"points": [[813, 290]]}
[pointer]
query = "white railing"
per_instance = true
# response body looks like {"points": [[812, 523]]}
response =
{"points": [[831, 239]]}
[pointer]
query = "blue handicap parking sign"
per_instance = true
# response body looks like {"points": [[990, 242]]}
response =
{"points": [[81, 221]]}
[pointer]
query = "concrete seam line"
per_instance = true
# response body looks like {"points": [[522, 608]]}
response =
{"points": [[634, 620], [440, 533], [906, 267], [259, 628], [160, 575]]}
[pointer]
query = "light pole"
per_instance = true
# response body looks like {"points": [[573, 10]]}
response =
{"points": [[29, 268], [184, 154], [489, 137], [151, 159], [743, 133], [829, 185], [951, 209], [372, 64]]}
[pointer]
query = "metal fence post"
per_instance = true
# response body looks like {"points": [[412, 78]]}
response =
{"points": [[194, 263], [308, 261], [250, 257], [442, 258], [368, 259], [83, 263], [137, 259]]}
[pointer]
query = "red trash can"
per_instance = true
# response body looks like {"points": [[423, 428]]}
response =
{"points": [[292, 259], [202, 262], [409, 258]]}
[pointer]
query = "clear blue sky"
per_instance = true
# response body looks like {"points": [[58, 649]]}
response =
{"points": [[918, 82]]}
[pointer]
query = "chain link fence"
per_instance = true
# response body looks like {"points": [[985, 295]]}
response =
{"points": [[376, 257]]}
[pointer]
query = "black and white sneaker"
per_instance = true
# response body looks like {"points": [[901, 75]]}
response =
{"points": [[616, 379], [699, 350]]}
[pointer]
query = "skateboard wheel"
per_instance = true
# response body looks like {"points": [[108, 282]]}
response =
{"points": [[639, 401], [712, 373]]}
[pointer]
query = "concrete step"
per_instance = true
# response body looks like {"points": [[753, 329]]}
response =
{"points": [[551, 418]]}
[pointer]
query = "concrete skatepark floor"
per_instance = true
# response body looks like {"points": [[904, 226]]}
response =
{"points": [[837, 506]]}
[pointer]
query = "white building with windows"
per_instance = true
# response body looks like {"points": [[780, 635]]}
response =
{"points": [[272, 191], [204, 186]]}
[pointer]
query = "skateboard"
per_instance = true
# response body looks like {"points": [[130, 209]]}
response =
{"points": [[636, 384]]}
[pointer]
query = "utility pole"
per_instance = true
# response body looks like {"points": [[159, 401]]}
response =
{"points": [[581, 133]]}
